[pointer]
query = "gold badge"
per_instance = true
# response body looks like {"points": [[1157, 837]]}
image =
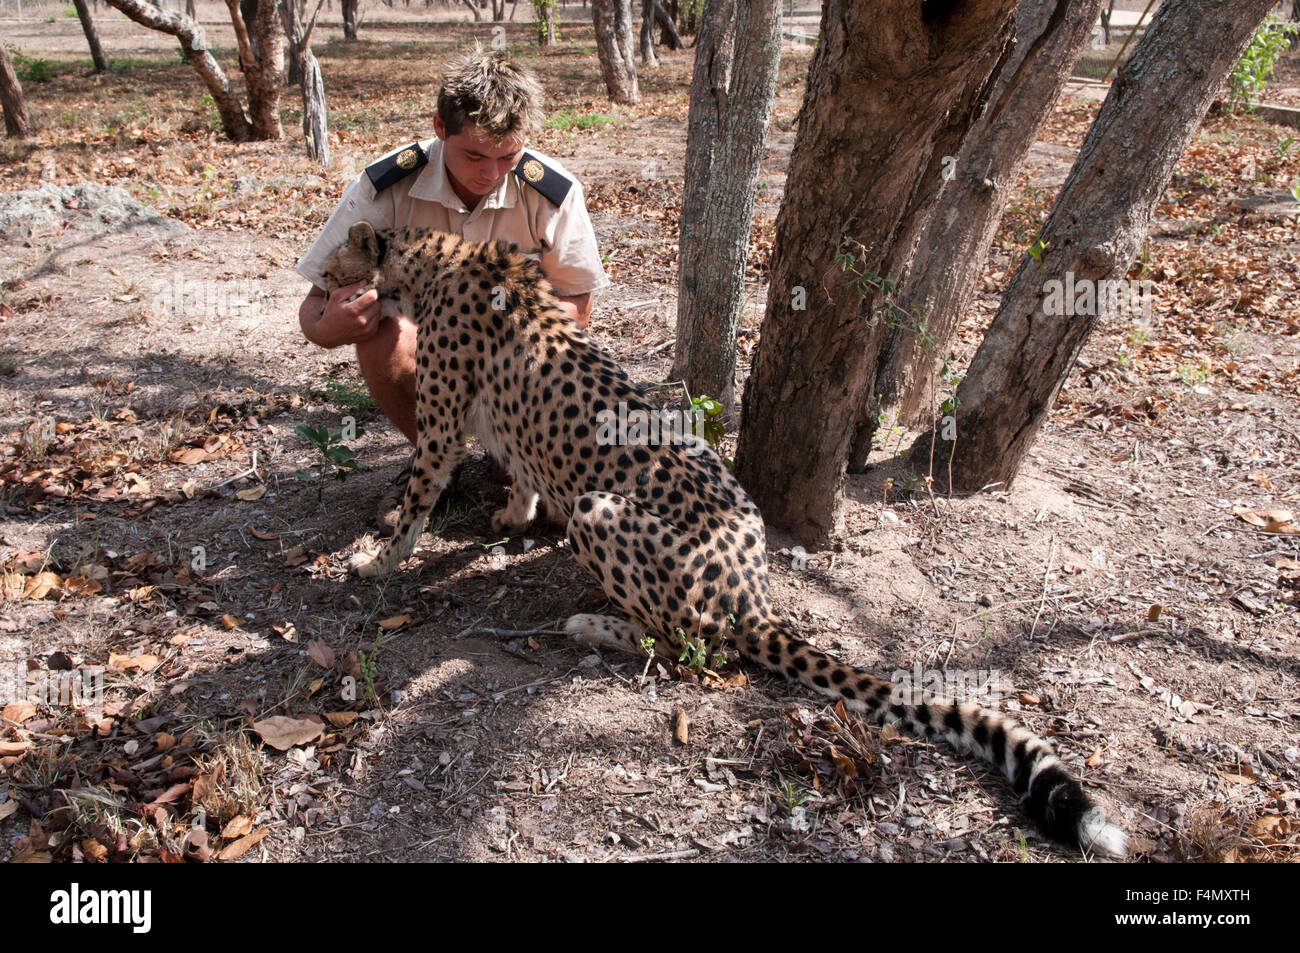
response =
{"points": [[407, 159], [534, 171]]}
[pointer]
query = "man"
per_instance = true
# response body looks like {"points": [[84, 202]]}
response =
{"points": [[475, 180]]}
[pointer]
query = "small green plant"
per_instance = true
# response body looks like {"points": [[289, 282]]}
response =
{"points": [[455, 514], [1251, 74], [335, 456], [70, 13], [694, 652], [704, 413], [1036, 251], [1283, 147], [349, 396], [1193, 373], [648, 645], [568, 119], [1139, 336], [792, 796], [872, 286], [31, 69], [1295, 192], [369, 664]]}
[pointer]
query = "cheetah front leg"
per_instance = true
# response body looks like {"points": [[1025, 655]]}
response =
{"points": [[519, 511], [440, 448]]}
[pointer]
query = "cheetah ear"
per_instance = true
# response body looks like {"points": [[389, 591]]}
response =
{"points": [[363, 239]]}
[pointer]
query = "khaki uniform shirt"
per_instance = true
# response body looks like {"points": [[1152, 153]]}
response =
{"points": [[560, 237]]}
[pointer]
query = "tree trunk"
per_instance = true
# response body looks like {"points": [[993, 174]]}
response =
{"points": [[18, 124], [668, 28], [315, 126], [670, 11], [351, 19], [950, 257], [473, 8], [736, 60], [613, 22], [194, 45], [92, 36], [887, 90], [498, 10], [648, 57], [261, 51], [293, 12], [1154, 107]]}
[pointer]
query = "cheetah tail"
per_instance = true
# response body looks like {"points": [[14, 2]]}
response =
{"points": [[1052, 798]]}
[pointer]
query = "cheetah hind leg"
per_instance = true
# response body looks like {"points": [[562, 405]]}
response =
{"points": [[607, 632]]}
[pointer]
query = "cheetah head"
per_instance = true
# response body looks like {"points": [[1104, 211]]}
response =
{"points": [[360, 258]]}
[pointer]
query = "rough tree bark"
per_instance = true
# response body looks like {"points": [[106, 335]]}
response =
{"points": [[195, 47], [92, 36], [18, 124], [293, 12], [667, 26], [737, 54], [473, 8], [260, 60], [613, 22], [315, 125], [648, 57], [351, 18], [889, 84], [954, 245], [1154, 107]]}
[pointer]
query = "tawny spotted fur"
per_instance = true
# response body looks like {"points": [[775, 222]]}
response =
{"points": [[672, 537]]}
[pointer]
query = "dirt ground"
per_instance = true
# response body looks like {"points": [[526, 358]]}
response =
{"points": [[1119, 597]]}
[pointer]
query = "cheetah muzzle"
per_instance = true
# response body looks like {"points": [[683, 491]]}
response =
{"points": [[671, 536]]}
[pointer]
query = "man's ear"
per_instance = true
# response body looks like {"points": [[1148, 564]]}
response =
{"points": [[363, 240]]}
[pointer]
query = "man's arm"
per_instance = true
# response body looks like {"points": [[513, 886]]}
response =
{"points": [[334, 320], [578, 307]]}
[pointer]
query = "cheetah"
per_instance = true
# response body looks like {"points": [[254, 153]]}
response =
{"points": [[673, 539]]}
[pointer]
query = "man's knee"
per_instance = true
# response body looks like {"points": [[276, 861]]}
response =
{"points": [[390, 354]]}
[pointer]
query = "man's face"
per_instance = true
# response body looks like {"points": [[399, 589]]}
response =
{"points": [[477, 162]]}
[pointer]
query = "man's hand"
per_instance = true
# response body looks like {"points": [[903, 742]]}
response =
{"points": [[336, 321], [578, 307]]}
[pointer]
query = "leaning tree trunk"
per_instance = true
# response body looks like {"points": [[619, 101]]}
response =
{"points": [[1098, 222], [18, 124], [261, 51], [954, 246], [293, 11], [648, 57], [885, 88], [473, 8], [727, 122], [92, 36], [613, 22], [315, 127], [195, 47], [667, 26]]}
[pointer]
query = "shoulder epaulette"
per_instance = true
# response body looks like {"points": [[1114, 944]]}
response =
{"points": [[396, 166], [554, 185]]}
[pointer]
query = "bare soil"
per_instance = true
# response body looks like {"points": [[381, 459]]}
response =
{"points": [[1120, 605]]}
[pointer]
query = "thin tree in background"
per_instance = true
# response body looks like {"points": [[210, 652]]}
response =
{"points": [[18, 124], [612, 20], [97, 56], [737, 55]]}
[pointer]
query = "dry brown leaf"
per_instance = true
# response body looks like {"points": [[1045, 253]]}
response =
{"points": [[7, 808], [340, 719], [286, 630], [188, 456], [1268, 827], [395, 622], [238, 848], [230, 622], [257, 534], [41, 585], [843, 765], [94, 851], [189, 488], [164, 740], [283, 733], [1241, 779], [180, 638], [1153, 613], [1095, 758], [1270, 521], [888, 733], [171, 794], [320, 653], [143, 663], [252, 493], [18, 712], [681, 727], [237, 827]]}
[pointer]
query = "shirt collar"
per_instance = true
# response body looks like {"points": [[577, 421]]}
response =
{"points": [[434, 185]]}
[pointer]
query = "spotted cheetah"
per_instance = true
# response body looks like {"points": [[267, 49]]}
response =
{"points": [[672, 537]]}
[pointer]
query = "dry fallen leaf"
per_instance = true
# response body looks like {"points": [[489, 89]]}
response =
{"points": [[286, 630], [41, 585], [340, 719], [238, 848], [8, 808], [395, 622], [230, 622], [257, 534], [143, 663], [320, 653], [252, 493], [238, 827], [18, 712], [94, 851], [283, 733], [843, 765], [681, 727], [1269, 521]]}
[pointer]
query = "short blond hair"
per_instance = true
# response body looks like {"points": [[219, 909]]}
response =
{"points": [[489, 90]]}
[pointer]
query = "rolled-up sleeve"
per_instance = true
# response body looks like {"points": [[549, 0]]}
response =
{"points": [[570, 258], [358, 204]]}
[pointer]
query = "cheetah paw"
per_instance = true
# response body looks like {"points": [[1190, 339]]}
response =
{"points": [[365, 562]]}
